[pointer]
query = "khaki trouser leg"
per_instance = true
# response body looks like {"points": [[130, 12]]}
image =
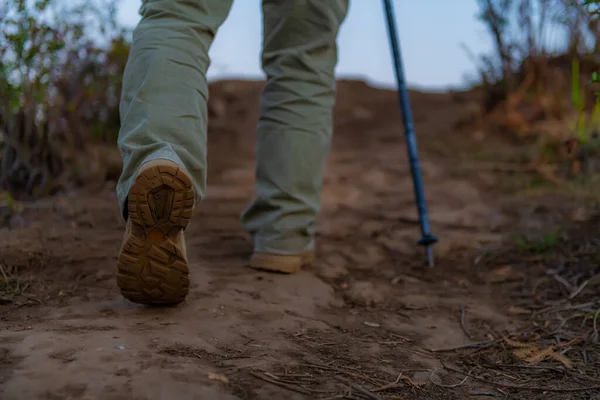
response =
{"points": [[163, 104], [295, 125]]}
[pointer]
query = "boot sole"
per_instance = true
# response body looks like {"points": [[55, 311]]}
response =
{"points": [[152, 268]]}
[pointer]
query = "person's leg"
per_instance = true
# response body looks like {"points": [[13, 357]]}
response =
{"points": [[294, 129], [163, 143]]}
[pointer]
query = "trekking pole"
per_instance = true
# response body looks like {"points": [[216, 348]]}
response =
{"points": [[427, 239]]}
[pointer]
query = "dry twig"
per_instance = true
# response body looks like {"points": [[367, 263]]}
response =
{"points": [[449, 386], [479, 345], [3, 273], [359, 388], [462, 322], [524, 387], [595, 334], [282, 384], [540, 367], [389, 385], [578, 290]]}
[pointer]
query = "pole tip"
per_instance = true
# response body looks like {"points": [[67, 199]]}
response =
{"points": [[430, 258]]}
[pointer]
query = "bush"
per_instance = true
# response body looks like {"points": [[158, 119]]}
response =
{"points": [[536, 76], [593, 7], [61, 64]]}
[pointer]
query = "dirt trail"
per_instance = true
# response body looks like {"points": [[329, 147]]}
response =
{"points": [[360, 324]]}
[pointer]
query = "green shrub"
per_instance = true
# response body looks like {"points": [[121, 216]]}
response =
{"points": [[593, 7], [61, 63]]}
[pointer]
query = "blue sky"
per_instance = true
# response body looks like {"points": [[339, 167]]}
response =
{"points": [[431, 33]]}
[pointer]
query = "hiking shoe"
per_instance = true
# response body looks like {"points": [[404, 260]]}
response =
{"points": [[287, 264], [152, 267]]}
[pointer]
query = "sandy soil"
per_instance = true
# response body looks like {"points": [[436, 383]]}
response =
{"points": [[367, 322]]}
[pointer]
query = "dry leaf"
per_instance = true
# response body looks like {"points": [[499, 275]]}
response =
{"points": [[549, 352], [413, 383], [563, 359], [579, 215], [216, 377], [537, 355], [515, 343], [546, 324], [526, 353], [518, 310], [500, 275], [533, 354]]}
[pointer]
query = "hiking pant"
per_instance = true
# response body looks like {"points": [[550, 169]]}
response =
{"points": [[164, 107]]}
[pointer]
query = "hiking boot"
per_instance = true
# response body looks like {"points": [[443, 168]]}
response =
{"points": [[287, 264], [152, 267]]}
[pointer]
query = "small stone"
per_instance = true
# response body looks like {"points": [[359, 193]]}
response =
{"points": [[366, 293]]}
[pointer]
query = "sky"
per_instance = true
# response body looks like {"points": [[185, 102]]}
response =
{"points": [[432, 34]]}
